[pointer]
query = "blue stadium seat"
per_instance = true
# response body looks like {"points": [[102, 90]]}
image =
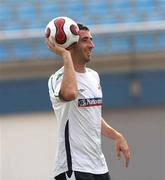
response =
{"points": [[23, 50], [74, 8], [144, 43], [130, 17], [26, 12], [108, 44], [156, 16], [12, 26], [120, 44], [99, 12], [3, 53], [50, 11], [5, 16], [26, 15], [160, 41], [99, 44], [120, 4], [98, 6], [43, 51], [144, 3], [162, 3]]}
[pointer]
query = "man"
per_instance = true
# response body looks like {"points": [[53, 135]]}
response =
{"points": [[76, 98]]}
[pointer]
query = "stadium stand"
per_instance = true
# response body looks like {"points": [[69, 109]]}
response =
{"points": [[19, 15]]}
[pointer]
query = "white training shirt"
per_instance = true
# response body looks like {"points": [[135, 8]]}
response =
{"points": [[84, 117]]}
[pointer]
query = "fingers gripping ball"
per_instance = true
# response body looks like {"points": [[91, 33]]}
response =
{"points": [[63, 31]]}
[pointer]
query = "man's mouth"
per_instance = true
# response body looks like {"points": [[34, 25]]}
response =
{"points": [[89, 53]]}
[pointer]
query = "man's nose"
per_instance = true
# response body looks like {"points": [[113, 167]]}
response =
{"points": [[91, 45]]}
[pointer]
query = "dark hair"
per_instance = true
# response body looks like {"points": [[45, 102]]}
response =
{"points": [[82, 27]]}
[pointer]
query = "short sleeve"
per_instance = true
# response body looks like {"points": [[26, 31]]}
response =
{"points": [[96, 75], [54, 85]]}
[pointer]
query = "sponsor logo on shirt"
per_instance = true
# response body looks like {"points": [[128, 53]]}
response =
{"points": [[89, 102]]}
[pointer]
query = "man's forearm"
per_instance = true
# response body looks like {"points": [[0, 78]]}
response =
{"points": [[108, 131], [69, 85], [120, 141]]}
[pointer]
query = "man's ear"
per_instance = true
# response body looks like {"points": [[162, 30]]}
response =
{"points": [[71, 46]]}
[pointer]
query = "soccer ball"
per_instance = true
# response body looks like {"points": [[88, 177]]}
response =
{"points": [[62, 31]]}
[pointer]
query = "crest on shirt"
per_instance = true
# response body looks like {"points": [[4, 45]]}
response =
{"points": [[58, 76]]}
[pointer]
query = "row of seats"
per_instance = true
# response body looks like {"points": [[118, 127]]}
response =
{"points": [[36, 14], [18, 15], [135, 43], [116, 44]]}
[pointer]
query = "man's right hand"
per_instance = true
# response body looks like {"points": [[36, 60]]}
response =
{"points": [[55, 48]]}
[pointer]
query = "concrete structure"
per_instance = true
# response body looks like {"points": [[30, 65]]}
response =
{"points": [[28, 144]]}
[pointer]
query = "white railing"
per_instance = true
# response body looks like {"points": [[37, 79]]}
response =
{"points": [[96, 29]]}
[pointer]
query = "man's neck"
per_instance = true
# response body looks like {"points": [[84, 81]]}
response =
{"points": [[81, 68], [78, 65]]}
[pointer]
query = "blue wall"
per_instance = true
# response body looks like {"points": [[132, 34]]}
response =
{"points": [[30, 95], [116, 89], [24, 95]]}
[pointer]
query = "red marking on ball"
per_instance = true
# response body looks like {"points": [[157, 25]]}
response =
{"points": [[60, 36], [47, 33], [74, 29]]}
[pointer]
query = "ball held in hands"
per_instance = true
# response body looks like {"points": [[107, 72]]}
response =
{"points": [[62, 31]]}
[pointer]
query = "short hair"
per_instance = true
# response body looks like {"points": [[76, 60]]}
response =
{"points": [[82, 27]]}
